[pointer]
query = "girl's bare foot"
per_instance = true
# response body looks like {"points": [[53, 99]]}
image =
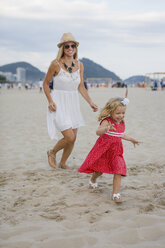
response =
{"points": [[117, 198], [92, 185]]}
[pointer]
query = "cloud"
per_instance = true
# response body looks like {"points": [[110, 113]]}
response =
{"points": [[39, 59], [76, 10], [51, 9], [31, 29]]}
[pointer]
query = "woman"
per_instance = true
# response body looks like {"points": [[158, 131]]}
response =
{"points": [[64, 110]]}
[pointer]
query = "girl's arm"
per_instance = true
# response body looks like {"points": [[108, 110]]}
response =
{"points": [[104, 127], [84, 92], [134, 142], [53, 69]]}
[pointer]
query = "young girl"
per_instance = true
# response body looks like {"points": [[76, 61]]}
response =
{"points": [[107, 154]]}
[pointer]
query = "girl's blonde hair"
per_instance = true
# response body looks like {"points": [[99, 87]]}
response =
{"points": [[60, 53], [110, 107]]}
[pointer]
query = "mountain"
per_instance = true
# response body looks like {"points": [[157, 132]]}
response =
{"points": [[33, 74], [135, 79], [93, 70]]}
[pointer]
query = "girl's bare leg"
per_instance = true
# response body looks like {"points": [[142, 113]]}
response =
{"points": [[116, 183], [95, 175]]}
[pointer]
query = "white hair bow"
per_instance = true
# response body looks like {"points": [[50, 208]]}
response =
{"points": [[125, 101]]}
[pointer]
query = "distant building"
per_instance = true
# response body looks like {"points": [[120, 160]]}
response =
{"points": [[21, 74], [8, 75]]}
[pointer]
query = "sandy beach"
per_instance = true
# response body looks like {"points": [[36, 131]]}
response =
{"points": [[41, 207]]}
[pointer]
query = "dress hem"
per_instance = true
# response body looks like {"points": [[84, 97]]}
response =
{"points": [[123, 175]]}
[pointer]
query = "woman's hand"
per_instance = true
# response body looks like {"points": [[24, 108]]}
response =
{"points": [[52, 107], [94, 107]]}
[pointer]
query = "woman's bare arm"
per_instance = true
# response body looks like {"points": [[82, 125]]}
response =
{"points": [[84, 92]]}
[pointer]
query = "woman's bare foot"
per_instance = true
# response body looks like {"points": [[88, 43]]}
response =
{"points": [[51, 159], [65, 167]]}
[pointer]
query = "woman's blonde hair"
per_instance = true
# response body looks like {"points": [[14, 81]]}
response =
{"points": [[60, 53], [110, 107]]}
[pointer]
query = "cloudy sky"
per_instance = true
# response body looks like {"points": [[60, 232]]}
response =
{"points": [[124, 36]]}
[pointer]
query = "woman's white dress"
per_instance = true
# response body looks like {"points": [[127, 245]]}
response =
{"points": [[65, 96]]}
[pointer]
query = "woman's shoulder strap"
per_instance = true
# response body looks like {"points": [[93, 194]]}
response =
{"points": [[78, 63], [56, 66], [57, 62]]}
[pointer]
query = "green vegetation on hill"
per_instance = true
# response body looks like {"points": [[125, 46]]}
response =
{"points": [[2, 79], [93, 70], [135, 79]]}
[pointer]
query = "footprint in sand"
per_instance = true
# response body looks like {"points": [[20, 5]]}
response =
{"points": [[94, 218], [147, 208], [53, 216]]}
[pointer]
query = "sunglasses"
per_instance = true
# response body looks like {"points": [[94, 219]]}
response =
{"points": [[68, 46]]}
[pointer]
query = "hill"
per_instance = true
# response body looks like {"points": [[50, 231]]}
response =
{"points": [[32, 73], [135, 79], [93, 70]]}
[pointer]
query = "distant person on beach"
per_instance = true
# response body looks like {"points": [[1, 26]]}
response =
{"points": [[85, 84], [162, 84], [51, 85], [107, 154], [40, 84], [155, 86], [63, 101], [19, 86]]}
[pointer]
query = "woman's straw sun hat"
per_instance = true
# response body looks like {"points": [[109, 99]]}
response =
{"points": [[67, 37]]}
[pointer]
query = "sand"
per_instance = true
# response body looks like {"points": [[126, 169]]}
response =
{"points": [[41, 207]]}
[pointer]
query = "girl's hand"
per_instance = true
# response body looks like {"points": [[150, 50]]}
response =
{"points": [[110, 127], [52, 107], [136, 142], [94, 107]]}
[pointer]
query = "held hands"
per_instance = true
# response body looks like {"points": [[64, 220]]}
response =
{"points": [[52, 107]]}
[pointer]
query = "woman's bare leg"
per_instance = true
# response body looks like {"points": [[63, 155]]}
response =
{"points": [[67, 150], [66, 143], [52, 153]]}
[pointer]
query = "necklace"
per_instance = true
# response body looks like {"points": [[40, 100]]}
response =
{"points": [[69, 68]]}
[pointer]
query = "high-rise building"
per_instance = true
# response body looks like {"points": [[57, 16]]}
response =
{"points": [[21, 74]]}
